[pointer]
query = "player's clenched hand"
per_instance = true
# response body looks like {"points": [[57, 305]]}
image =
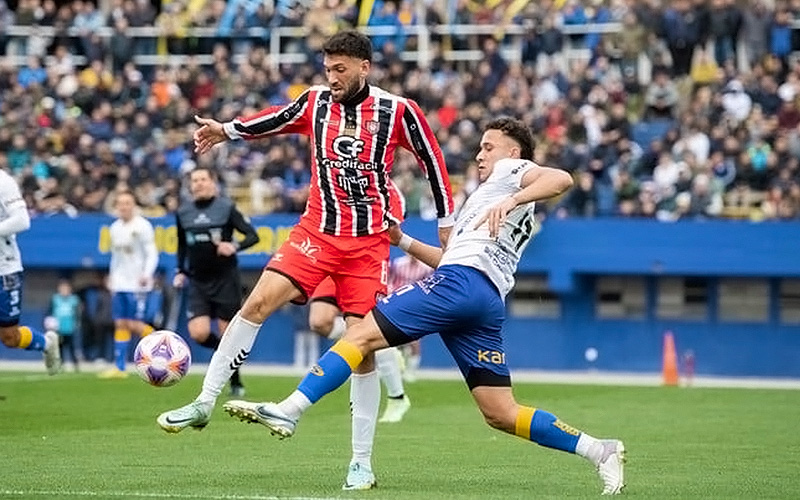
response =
{"points": [[209, 134], [395, 233], [226, 248], [496, 215]]}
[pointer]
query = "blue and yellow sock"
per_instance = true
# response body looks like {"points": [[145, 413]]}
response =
{"points": [[332, 370], [30, 339], [122, 338], [546, 429]]}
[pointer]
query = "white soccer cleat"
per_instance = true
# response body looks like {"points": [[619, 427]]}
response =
{"points": [[195, 415], [267, 414], [395, 410], [51, 353], [359, 477], [611, 466]]}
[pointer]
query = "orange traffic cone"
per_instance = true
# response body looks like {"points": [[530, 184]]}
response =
{"points": [[669, 369]]}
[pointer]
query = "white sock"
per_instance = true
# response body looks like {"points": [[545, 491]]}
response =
{"points": [[365, 399], [295, 405], [388, 364], [589, 448], [232, 351], [338, 329]]}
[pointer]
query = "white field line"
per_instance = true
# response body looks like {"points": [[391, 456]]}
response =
{"points": [[139, 494]]}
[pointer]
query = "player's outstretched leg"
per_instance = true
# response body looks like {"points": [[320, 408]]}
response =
{"points": [[397, 402], [331, 371]]}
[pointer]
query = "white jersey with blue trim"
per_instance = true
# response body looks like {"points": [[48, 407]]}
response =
{"points": [[473, 247], [14, 219], [133, 255]]}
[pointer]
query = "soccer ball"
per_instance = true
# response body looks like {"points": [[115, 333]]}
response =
{"points": [[162, 358]]}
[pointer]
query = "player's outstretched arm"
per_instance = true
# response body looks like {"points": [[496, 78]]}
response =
{"points": [[428, 254], [538, 183]]}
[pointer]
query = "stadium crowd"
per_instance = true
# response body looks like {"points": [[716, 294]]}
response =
{"points": [[690, 109]]}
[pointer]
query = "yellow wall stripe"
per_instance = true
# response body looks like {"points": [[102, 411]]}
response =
{"points": [[25, 337], [122, 335], [524, 419], [349, 352]]}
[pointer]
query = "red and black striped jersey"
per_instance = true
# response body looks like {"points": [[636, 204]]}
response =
{"points": [[353, 146]]}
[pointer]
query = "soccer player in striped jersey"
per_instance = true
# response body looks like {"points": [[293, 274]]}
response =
{"points": [[354, 130], [14, 219], [464, 302], [134, 258]]}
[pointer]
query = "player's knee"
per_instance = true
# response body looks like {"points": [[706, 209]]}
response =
{"points": [[320, 325], [198, 336], [256, 309]]}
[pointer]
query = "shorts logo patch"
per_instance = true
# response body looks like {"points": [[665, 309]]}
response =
{"points": [[307, 248], [317, 370], [494, 357]]}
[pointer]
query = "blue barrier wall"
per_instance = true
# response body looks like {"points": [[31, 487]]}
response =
{"points": [[572, 254]]}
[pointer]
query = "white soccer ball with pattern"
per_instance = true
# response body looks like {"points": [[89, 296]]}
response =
{"points": [[162, 358]]}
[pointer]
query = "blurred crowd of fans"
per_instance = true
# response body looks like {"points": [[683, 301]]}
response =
{"points": [[690, 109]]}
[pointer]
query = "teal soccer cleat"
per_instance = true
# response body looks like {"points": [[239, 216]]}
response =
{"points": [[359, 477], [195, 415]]}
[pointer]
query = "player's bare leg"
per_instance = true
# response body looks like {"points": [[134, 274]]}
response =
{"points": [[501, 411]]}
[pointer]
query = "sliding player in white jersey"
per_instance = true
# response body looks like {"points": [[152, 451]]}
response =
{"points": [[463, 301], [14, 219], [134, 258]]}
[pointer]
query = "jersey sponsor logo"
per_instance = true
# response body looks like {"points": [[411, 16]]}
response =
{"points": [[348, 147], [356, 188], [306, 248], [493, 357], [202, 218]]}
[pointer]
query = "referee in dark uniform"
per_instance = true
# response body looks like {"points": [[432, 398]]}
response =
{"points": [[207, 258]]}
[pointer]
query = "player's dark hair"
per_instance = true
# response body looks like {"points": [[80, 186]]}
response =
{"points": [[517, 130], [349, 43], [210, 171]]}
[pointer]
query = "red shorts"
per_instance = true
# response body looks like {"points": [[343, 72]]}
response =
{"points": [[357, 266], [326, 292]]}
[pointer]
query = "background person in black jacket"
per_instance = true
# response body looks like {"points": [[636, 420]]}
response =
{"points": [[207, 260]]}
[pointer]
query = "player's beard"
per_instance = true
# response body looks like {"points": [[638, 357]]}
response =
{"points": [[349, 91]]}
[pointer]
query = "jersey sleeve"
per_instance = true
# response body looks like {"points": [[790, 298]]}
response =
{"points": [[274, 120], [517, 170], [17, 217], [418, 138], [243, 225]]}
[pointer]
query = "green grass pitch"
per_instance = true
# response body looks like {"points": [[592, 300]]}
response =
{"points": [[75, 436]]}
